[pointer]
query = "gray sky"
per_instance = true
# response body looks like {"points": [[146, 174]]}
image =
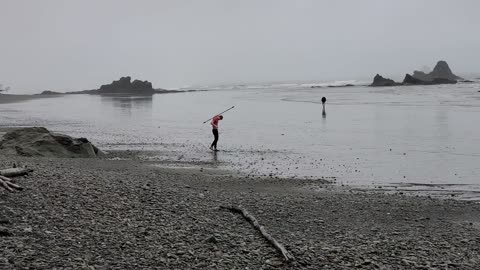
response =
{"points": [[74, 45]]}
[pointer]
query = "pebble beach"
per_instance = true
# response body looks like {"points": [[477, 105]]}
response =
{"points": [[129, 214]]}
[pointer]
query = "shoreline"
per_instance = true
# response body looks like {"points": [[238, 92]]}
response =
{"points": [[7, 98], [10, 98], [104, 213]]}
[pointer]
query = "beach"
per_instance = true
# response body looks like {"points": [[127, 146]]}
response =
{"points": [[414, 138], [391, 197], [129, 214], [239, 135]]}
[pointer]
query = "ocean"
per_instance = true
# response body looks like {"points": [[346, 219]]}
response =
{"points": [[420, 138]]}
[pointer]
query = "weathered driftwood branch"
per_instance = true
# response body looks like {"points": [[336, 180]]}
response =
{"points": [[7, 184], [239, 209], [12, 172]]}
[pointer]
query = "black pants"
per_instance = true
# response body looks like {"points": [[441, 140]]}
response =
{"points": [[215, 134]]}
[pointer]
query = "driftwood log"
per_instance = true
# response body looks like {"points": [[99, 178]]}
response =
{"points": [[239, 209], [7, 184], [5, 180], [12, 172]]}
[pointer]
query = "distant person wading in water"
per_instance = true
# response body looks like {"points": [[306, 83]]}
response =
{"points": [[214, 124]]}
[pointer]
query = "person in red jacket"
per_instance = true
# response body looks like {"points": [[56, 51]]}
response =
{"points": [[214, 124]]}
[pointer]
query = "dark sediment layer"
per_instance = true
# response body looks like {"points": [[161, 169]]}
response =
{"points": [[129, 215]]}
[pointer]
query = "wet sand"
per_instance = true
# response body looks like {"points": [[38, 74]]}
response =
{"points": [[131, 214], [387, 137]]}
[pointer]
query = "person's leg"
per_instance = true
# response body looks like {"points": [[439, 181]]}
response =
{"points": [[214, 143], [214, 139], [215, 134]]}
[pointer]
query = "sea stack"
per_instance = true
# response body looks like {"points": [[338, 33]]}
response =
{"points": [[125, 85], [381, 81], [441, 71], [441, 74]]}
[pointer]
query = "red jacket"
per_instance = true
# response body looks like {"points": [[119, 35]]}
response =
{"points": [[214, 122]]}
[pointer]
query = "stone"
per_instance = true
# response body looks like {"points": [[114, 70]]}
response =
{"points": [[40, 142], [211, 239], [5, 232]]}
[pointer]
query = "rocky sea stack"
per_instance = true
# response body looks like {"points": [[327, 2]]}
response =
{"points": [[441, 74], [378, 80], [441, 71], [125, 86]]}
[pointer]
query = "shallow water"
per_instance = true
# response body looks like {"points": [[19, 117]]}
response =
{"points": [[419, 136]]}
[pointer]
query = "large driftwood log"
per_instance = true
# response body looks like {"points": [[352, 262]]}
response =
{"points": [[239, 209], [7, 184], [12, 172]]}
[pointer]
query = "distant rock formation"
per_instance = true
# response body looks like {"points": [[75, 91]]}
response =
{"points": [[39, 142], [441, 74], [125, 86], [441, 71], [48, 92], [411, 80], [381, 81], [344, 85]]}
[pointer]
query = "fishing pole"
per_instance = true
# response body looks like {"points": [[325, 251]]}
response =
{"points": [[220, 114]]}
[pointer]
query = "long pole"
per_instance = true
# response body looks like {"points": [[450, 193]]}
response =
{"points": [[220, 113]]}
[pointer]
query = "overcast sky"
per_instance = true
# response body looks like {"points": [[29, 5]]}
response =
{"points": [[73, 45]]}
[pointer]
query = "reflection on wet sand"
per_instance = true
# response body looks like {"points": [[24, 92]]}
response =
{"points": [[324, 113], [215, 158], [127, 103]]}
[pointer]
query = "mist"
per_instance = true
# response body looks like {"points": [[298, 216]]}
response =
{"points": [[74, 45]]}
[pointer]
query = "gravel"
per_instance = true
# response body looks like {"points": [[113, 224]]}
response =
{"points": [[128, 214]]}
